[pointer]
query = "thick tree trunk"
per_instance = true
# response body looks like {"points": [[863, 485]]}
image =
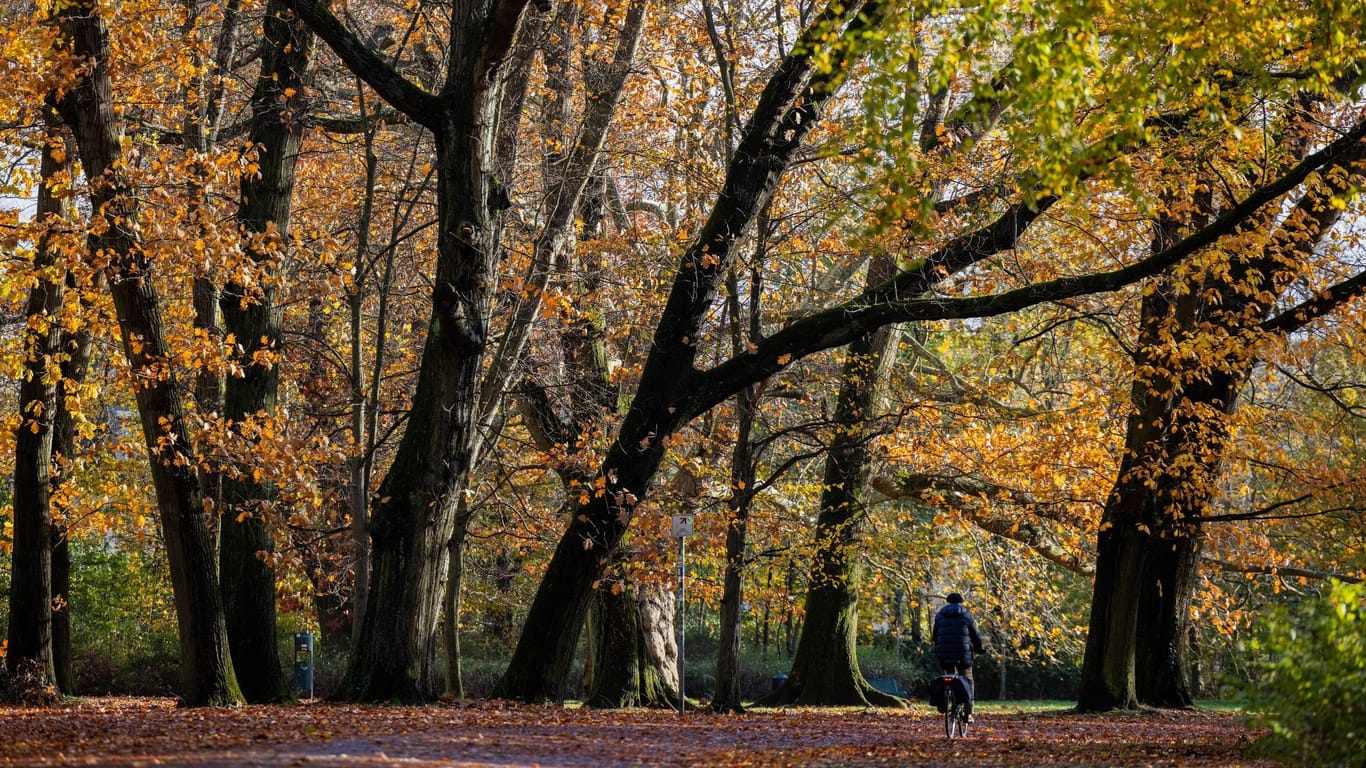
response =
{"points": [[251, 316], [632, 656], [61, 617], [415, 510], [614, 649], [1195, 349], [658, 639], [88, 108], [1161, 652], [31, 588], [1107, 673], [825, 669]]}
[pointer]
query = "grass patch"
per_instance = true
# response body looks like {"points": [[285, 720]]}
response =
{"points": [[1222, 705], [1025, 706]]}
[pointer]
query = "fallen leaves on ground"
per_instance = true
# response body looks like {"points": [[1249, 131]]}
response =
{"points": [[143, 731]]}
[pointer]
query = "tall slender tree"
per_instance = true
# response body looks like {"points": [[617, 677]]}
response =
{"points": [[31, 587], [87, 105], [252, 316]]}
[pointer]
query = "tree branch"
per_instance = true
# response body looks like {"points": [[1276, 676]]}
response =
{"points": [[422, 107], [898, 299]]}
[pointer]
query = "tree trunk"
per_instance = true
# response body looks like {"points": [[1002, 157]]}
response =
{"points": [[615, 649], [632, 655], [1161, 651], [727, 696], [1149, 544], [76, 348], [666, 396], [825, 669], [659, 683], [1107, 672], [251, 316], [414, 513], [31, 587], [88, 107]]}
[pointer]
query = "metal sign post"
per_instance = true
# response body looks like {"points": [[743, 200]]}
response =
{"points": [[682, 529]]}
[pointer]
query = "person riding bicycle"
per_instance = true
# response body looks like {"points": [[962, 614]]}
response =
{"points": [[956, 640]]}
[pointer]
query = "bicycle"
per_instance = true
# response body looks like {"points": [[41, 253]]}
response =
{"points": [[955, 705]]}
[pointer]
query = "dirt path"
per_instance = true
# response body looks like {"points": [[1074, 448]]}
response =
{"points": [[138, 732]]}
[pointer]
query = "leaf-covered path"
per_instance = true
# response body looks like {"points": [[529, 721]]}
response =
{"points": [[138, 732]]}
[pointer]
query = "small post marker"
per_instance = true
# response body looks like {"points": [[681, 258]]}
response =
{"points": [[682, 528]]}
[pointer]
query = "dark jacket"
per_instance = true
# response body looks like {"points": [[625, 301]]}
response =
{"points": [[955, 635]]}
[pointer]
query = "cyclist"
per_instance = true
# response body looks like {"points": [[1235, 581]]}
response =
{"points": [[956, 640]]}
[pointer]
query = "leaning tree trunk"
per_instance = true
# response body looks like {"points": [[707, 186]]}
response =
{"points": [[88, 107], [252, 317], [30, 596], [666, 396]]}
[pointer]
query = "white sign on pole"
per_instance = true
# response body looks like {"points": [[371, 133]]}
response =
{"points": [[682, 525], [682, 528]]}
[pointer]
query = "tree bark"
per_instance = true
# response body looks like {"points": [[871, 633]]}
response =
{"points": [[252, 317], [88, 107], [1161, 651], [825, 669], [31, 587]]}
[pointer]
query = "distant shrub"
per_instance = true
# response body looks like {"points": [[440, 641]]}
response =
{"points": [[1310, 679], [123, 630]]}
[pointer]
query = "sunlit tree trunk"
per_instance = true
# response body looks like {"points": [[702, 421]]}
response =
{"points": [[1151, 529], [628, 657], [88, 107], [1161, 653]]}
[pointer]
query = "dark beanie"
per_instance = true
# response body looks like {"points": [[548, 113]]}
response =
{"points": [[954, 597]]}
